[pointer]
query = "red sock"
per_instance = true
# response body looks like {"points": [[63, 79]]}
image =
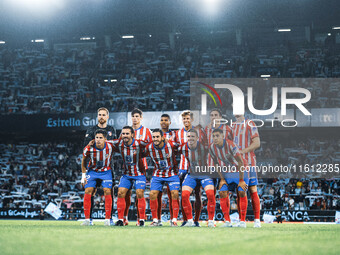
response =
{"points": [[121, 208], [159, 200], [87, 205], [175, 208], [255, 200], [186, 204], [211, 204], [170, 202], [141, 208], [127, 204], [198, 205], [225, 206], [153, 207], [108, 206], [243, 208], [238, 204]]}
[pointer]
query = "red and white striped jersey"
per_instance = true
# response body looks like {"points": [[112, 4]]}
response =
{"points": [[164, 159], [170, 135], [227, 132], [132, 156], [100, 160], [227, 153], [195, 157], [181, 138], [243, 133], [144, 134]]}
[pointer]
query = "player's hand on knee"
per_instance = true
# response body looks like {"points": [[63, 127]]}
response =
{"points": [[243, 185]]}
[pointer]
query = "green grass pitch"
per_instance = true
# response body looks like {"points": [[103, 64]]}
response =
{"points": [[67, 237]]}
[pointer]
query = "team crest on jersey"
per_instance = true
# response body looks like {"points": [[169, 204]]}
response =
{"points": [[254, 128], [234, 150], [167, 155]]}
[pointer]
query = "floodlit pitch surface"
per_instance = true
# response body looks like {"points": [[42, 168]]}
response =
{"points": [[67, 237]]}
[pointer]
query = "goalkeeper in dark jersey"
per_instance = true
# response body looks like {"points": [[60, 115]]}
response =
{"points": [[102, 116]]}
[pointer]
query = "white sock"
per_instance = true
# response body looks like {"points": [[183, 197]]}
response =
{"points": [[174, 220], [155, 220], [191, 220]]}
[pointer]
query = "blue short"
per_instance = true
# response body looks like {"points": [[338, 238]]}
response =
{"points": [[232, 185], [104, 177], [253, 177], [158, 182], [193, 182], [127, 181]]}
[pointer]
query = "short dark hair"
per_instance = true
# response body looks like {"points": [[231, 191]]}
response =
{"points": [[136, 110], [164, 115], [216, 110], [217, 130], [192, 130], [157, 130], [130, 128], [101, 131]]}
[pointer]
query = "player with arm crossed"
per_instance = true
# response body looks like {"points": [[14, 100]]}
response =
{"points": [[196, 153], [131, 150], [99, 168], [163, 154], [181, 138], [226, 151], [144, 134], [246, 137]]}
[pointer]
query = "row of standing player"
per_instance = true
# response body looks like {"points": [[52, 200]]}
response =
{"points": [[247, 140]]}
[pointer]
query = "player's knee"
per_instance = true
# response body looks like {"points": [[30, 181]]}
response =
{"points": [[140, 193], [121, 193], [174, 194], [186, 194], [89, 191], [153, 194], [210, 194], [252, 189], [107, 191], [223, 194], [242, 193]]}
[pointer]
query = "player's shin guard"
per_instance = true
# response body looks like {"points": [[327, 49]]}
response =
{"points": [[154, 207], [175, 208], [141, 208], [186, 204], [225, 207], [127, 204], [243, 208], [211, 204], [87, 205], [108, 206], [255, 200], [121, 208]]}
